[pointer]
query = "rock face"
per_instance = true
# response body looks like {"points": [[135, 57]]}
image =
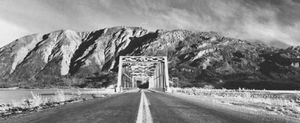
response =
{"points": [[69, 58]]}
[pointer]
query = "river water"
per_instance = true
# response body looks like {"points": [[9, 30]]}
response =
{"points": [[17, 95]]}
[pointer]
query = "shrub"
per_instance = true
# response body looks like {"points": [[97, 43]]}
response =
{"points": [[60, 96], [36, 100]]}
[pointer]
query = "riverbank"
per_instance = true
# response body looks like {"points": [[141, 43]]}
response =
{"points": [[41, 99]]}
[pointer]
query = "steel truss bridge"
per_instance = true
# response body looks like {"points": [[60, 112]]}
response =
{"points": [[138, 71]]}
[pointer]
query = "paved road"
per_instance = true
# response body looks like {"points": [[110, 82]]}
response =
{"points": [[123, 108], [115, 109], [173, 109]]}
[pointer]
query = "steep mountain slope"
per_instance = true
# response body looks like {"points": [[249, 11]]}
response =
{"points": [[69, 58]]}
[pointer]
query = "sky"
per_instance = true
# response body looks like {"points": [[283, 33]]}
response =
{"points": [[276, 22]]}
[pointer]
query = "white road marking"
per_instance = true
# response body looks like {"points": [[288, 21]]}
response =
{"points": [[140, 112], [144, 114]]}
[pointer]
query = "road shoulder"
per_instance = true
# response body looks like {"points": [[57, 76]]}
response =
{"points": [[212, 103]]}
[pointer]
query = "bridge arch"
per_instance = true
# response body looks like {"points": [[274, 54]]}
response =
{"points": [[136, 71]]}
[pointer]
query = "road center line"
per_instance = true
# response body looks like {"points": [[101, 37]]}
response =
{"points": [[144, 114]]}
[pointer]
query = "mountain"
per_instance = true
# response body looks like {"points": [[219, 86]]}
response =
{"points": [[67, 58]]}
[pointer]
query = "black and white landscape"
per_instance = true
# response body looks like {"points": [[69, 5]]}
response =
{"points": [[150, 61]]}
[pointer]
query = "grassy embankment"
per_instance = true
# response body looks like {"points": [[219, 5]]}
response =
{"points": [[281, 102], [39, 102]]}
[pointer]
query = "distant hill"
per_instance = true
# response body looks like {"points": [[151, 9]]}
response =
{"points": [[67, 58]]}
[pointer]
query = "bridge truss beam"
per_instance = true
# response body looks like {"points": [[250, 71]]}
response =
{"points": [[152, 68]]}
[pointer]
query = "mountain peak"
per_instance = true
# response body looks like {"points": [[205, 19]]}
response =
{"points": [[70, 58]]}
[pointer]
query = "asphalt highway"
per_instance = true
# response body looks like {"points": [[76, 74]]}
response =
{"points": [[121, 108], [124, 108], [166, 108]]}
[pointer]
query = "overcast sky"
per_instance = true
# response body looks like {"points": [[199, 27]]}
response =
{"points": [[267, 20]]}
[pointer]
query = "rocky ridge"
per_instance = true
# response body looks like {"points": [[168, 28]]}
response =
{"points": [[69, 58]]}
